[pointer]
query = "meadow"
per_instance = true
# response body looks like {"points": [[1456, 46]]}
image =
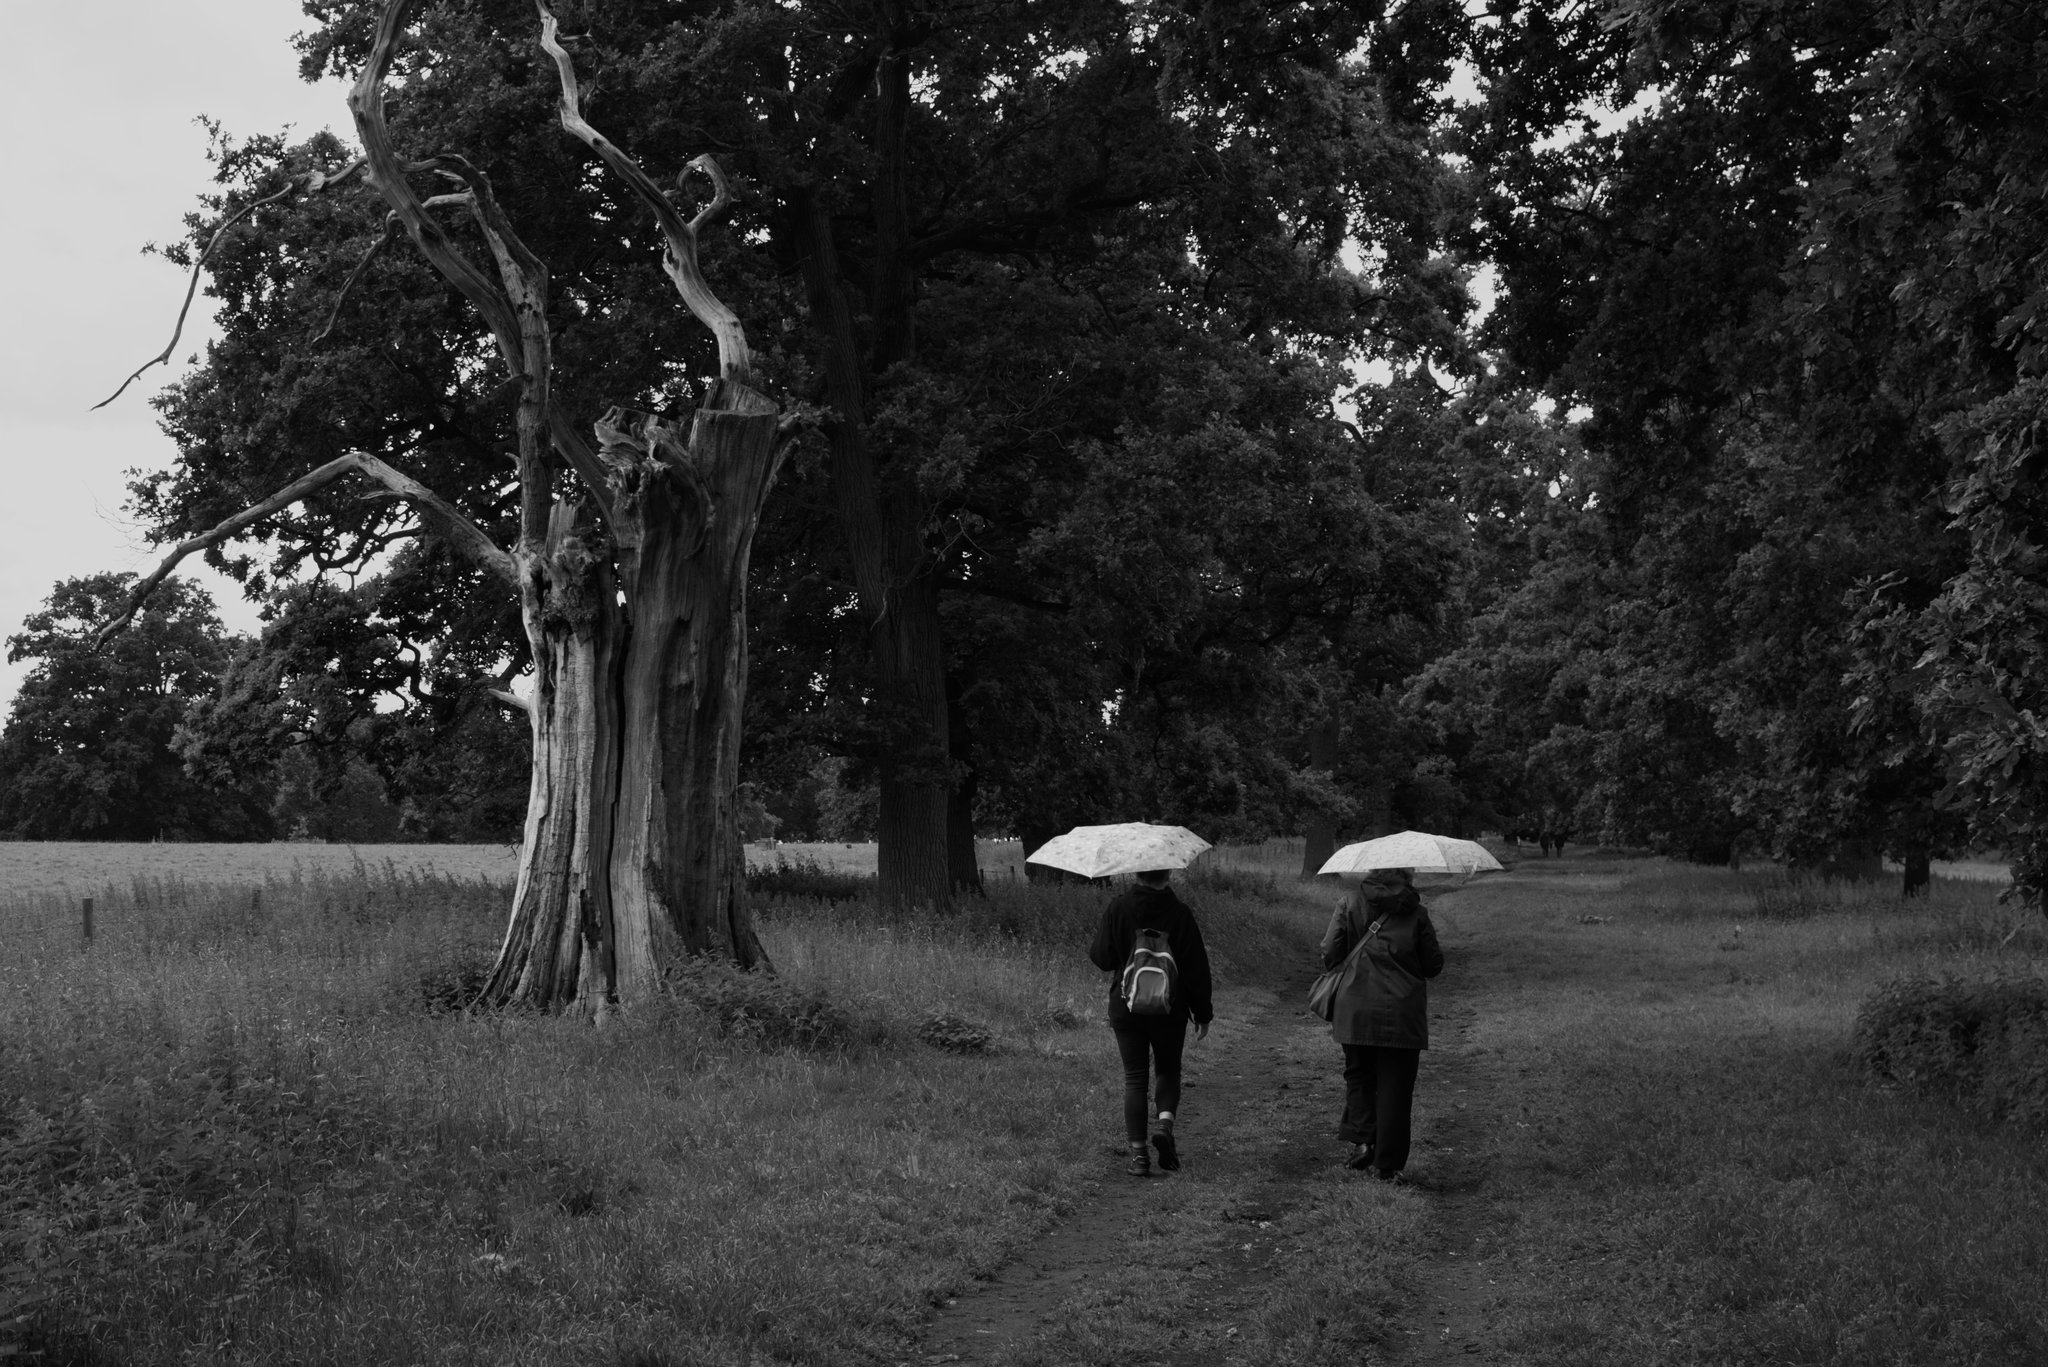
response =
{"points": [[88, 868], [245, 1125], [1678, 1159]]}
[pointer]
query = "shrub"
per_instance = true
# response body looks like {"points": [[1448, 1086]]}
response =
{"points": [[761, 1007], [1983, 1042], [807, 878], [955, 1034]]}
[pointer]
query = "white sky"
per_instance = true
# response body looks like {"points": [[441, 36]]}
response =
{"points": [[103, 155]]}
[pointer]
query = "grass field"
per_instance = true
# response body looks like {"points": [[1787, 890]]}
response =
{"points": [[239, 1129], [86, 868]]}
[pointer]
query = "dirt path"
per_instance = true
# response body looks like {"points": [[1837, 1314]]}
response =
{"points": [[1245, 1216]]}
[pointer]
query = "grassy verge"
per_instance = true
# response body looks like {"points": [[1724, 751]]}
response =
{"points": [[1683, 1164], [236, 1128]]}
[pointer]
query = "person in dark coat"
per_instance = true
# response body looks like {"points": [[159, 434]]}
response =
{"points": [[1152, 1044], [1381, 1014]]}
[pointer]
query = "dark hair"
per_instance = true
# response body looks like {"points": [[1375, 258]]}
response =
{"points": [[1155, 877]]}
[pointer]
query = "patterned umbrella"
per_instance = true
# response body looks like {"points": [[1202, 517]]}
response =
{"points": [[1416, 850], [1127, 847]]}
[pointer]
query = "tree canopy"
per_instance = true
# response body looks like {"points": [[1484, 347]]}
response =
{"points": [[1068, 287], [1718, 533], [89, 751]]}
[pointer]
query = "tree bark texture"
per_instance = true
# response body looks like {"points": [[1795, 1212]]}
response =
{"points": [[1319, 838], [879, 516], [684, 517], [633, 853], [963, 860], [560, 942]]}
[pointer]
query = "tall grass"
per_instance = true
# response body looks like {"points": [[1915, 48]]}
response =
{"points": [[236, 1129], [1694, 1169]]}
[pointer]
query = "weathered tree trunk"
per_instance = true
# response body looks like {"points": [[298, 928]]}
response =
{"points": [[633, 853], [559, 944], [684, 519], [1320, 836]]}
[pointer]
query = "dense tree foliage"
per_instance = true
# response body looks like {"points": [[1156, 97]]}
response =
{"points": [[1721, 289], [89, 748], [1723, 538], [1067, 283]]}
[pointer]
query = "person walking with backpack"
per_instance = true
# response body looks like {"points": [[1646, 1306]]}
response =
{"points": [[1383, 936], [1151, 946]]}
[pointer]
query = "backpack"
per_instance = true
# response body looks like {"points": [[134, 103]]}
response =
{"points": [[1150, 975]]}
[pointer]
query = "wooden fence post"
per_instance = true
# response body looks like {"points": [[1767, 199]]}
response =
{"points": [[88, 922]]}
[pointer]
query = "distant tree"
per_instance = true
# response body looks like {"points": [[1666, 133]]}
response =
{"points": [[1759, 410], [88, 751], [331, 674], [1928, 258]]}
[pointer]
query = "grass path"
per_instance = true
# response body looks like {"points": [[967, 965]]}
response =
{"points": [[1638, 1139], [1228, 1260]]}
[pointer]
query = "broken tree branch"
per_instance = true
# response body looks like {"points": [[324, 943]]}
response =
{"points": [[514, 307], [311, 182], [464, 534], [734, 360], [392, 228]]}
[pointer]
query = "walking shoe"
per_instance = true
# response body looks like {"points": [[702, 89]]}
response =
{"points": [[1360, 1159], [1169, 1156], [1141, 1161]]}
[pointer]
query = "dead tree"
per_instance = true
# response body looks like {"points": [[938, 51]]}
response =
{"points": [[631, 590]]}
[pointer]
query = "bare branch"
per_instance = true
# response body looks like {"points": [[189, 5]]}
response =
{"points": [[463, 533], [721, 191], [510, 699], [514, 306], [311, 182], [387, 174], [734, 360], [392, 227]]}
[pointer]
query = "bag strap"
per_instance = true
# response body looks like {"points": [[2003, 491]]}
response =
{"points": [[1363, 940]]}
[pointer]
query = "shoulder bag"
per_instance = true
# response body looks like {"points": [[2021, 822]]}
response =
{"points": [[1322, 993]]}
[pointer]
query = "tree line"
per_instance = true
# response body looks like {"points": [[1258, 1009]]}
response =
{"points": [[1265, 417]]}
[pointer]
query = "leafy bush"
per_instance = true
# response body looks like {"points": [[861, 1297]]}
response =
{"points": [[1983, 1042], [955, 1034], [807, 878], [762, 1007]]}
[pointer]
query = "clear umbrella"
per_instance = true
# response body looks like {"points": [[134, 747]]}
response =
{"points": [[1127, 847], [1418, 851]]}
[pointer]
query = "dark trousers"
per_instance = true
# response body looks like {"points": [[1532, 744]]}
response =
{"points": [[1148, 1045], [1379, 1098]]}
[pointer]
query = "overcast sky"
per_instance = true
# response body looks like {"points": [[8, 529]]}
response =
{"points": [[104, 155]]}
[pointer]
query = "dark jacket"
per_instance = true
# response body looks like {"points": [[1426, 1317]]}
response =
{"points": [[1384, 1000], [1154, 909]]}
